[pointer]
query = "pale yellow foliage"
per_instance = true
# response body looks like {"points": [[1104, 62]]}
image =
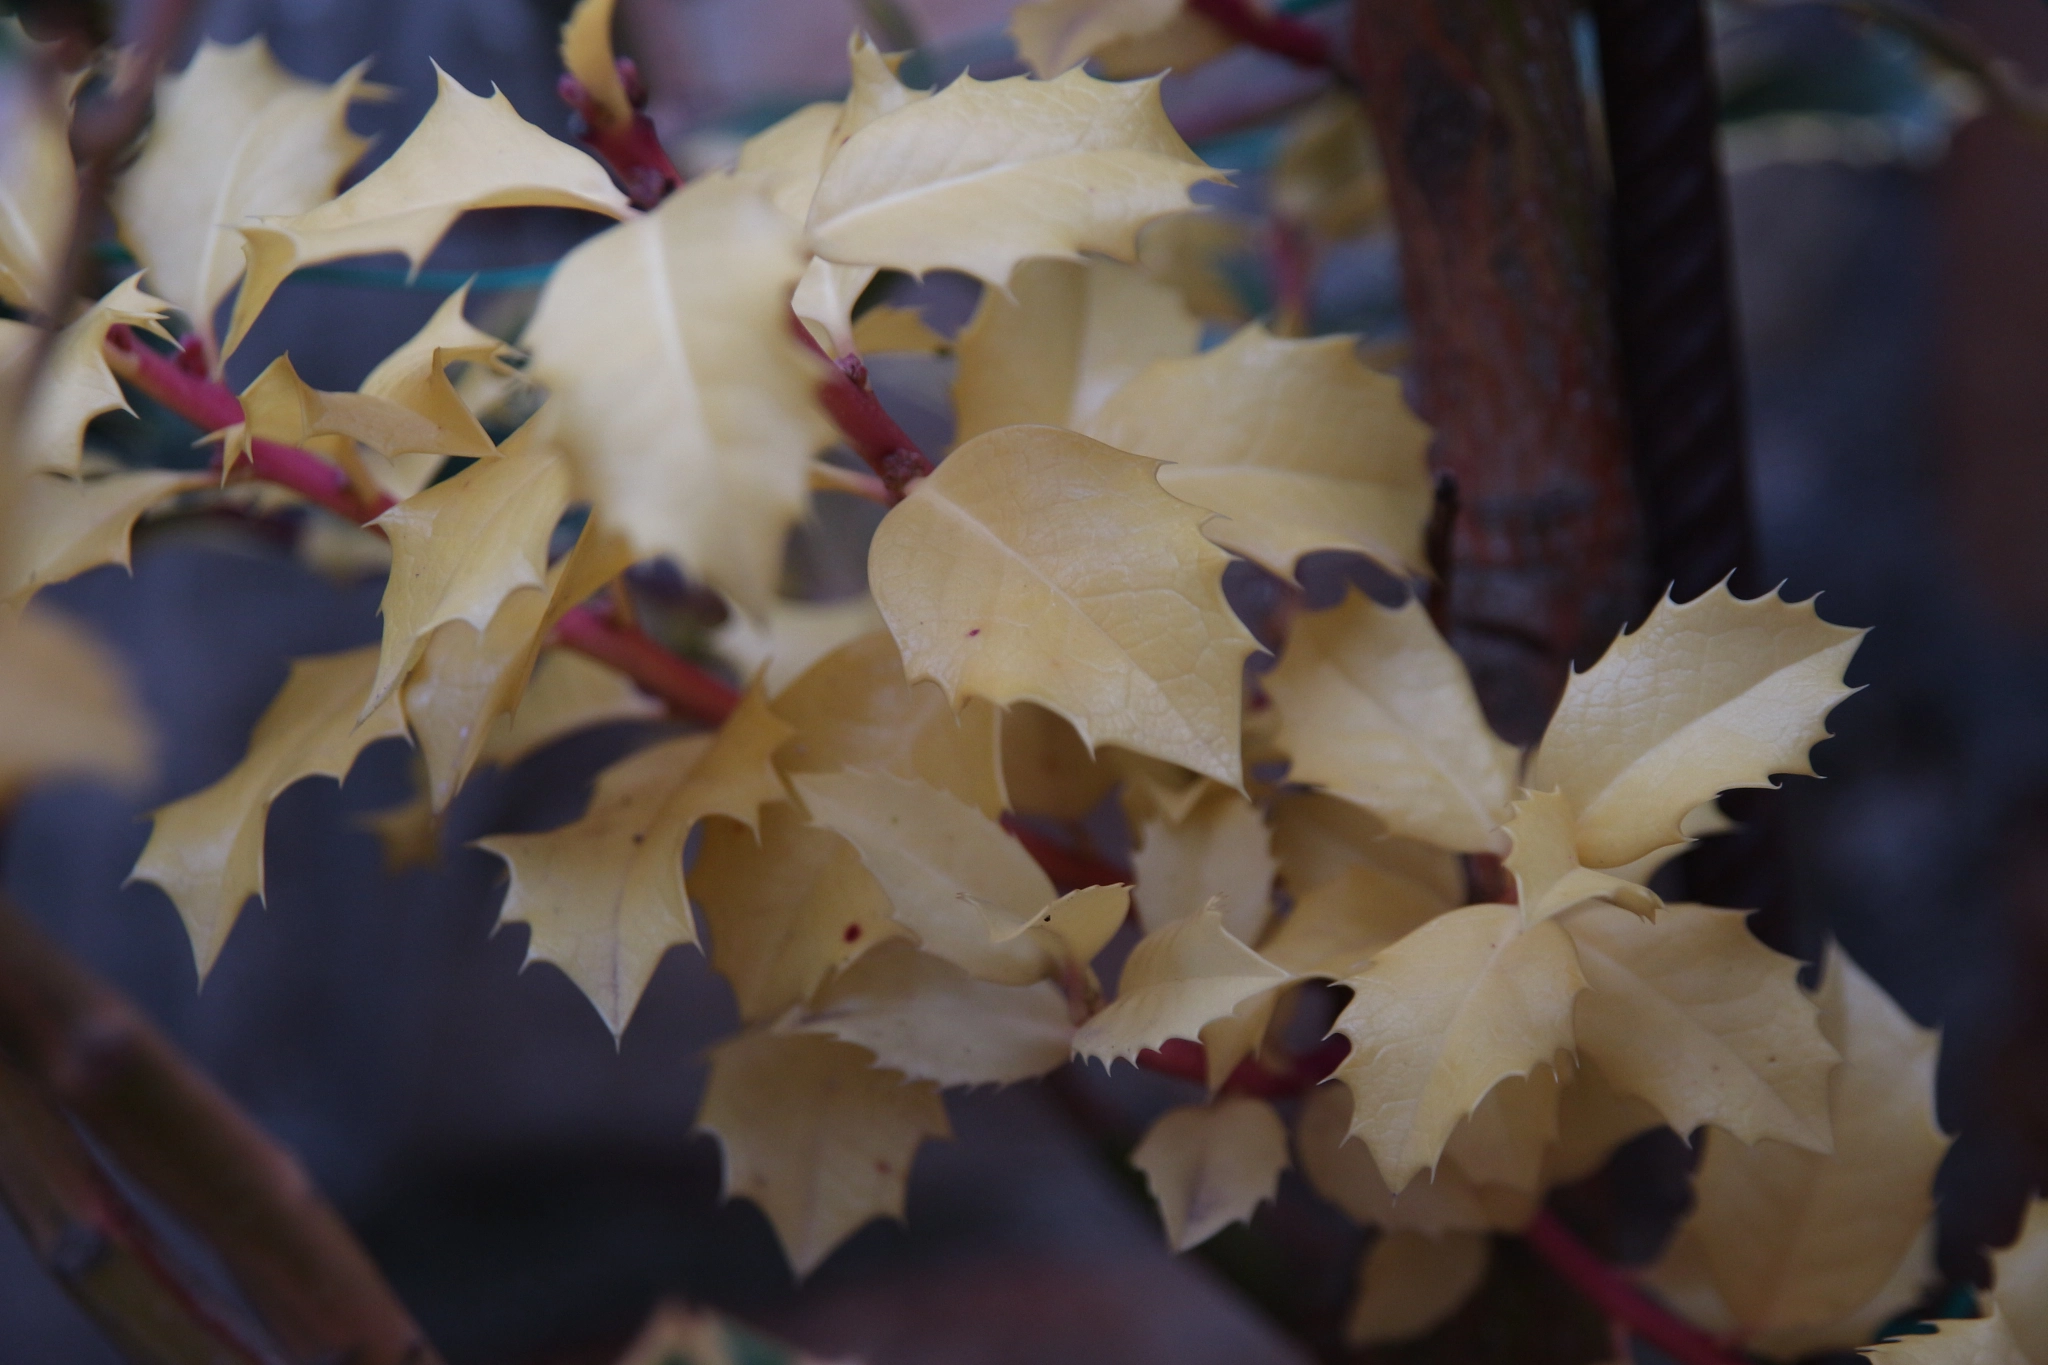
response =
{"points": [[686, 406], [2019, 1284], [793, 636], [206, 850], [1699, 822], [38, 195], [1053, 35], [1545, 864], [280, 406], [1065, 336], [586, 50], [415, 377], [1211, 1165], [1297, 444], [1047, 770], [1077, 926], [1376, 708], [1505, 1140], [603, 895], [1317, 837], [65, 707], [1706, 695], [74, 384], [1176, 982], [984, 175], [790, 153], [1409, 1284], [886, 327], [1969, 1341], [63, 526], [1343, 1171], [815, 1135], [1188, 252], [1697, 1017], [568, 693], [469, 152], [1593, 1119], [464, 685], [1182, 43], [1217, 854], [1439, 1018], [1334, 930], [234, 136], [1038, 565]]}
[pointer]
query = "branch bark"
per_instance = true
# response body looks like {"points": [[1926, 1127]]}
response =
{"points": [[1619, 1299]]}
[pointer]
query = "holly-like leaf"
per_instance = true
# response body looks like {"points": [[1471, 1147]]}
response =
{"points": [[2019, 1284], [206, 850], [1038, 565], [1794, 1241], [815, 1135], [796, 635], [74, 384], [415, 377], [1176, 982], [1297, 444], [785, 909], [1210, 1165], [1504, 1141], [790, 155], [235, 136], [1065, 336], [1316, 837], [688, 409], [279, 406], [1435, 1203], [1409, 1284], [65, 708], [603, 894], [63, 526], [1697, 1017], [568, 692], [1593, 1120], [1376, 708], [1441, 1017], [986, 174], [1336, 929], [888, 328], [927, 1018], [1053, 35], [465, 685], [1545, 864], [469, 152], [1710, 694], [38, 195], [1080, 924], [586, 50], [1218, 854], [1967, 1341], [1047, 770]]}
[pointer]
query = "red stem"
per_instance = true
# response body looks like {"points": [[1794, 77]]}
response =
{"points": [[1612, 1293], [1071, 869], [690, 691], [869, 429], [1187, 1060], [1302, 44], [630, 148]]}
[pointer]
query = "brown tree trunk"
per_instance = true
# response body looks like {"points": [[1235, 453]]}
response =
{"points": [[1501, 213]]}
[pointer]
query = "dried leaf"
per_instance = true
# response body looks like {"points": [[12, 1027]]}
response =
{"points": [[1176, 981], [465, 685], [1211, 1165], [74, 384], [1545, 864], [64, 526], [1182, 43], [1219, 854], [1971, 1341], [1297, 444], [1715, 693], [1327, 174], [816, 1136], [65, 708], [1053, 35], [1504, 1141], [206, 850], [1409, 1284], [1376, 708], [1037, 565], [1593, 1120]]}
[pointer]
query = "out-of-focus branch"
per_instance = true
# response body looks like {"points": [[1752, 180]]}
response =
{"points": [[869, 429], [629, 146], [1187, 1060], [1610, 1290], [178, 1136]]}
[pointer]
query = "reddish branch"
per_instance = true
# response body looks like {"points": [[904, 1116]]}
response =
{"points": [[1610, 1291], [630, 146], [1300, 43], [1187, 1060], [869, 429]]}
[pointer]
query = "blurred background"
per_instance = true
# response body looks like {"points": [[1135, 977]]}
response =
{"points": [[532, 1190]]}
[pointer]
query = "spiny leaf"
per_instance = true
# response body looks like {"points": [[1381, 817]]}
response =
{"points": [[1434, 1204], [38, 194], [1409, 1284], [1038, 565], [1441, 1017], [886, 327], [1504, 1141], [568, 693], [923, 1016], [1697, 1017], [985, 174], [74, 385], [65, 707], [815, 1135], [469, 152], [1593, 1120], [1707, 695], [1177, 981], [279, 406], [1335, 930], [1219, 854], [686, 406], [1545, 864], [235, 136], [603, 894], [206, 850], [1297, 444], [1182, 43], [415, 377], [1066, 335], [64, 526], [2019, 1285], [1971, 1341], [1376, 708], [466, 683], [1078, 925], [1327, 174], [795, 635], [586, 50], [1210, 1165], [1053, 35], [1317, 836], [1047, 770]]}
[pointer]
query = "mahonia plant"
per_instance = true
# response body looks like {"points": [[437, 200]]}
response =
{"points": [[1048, 626]]}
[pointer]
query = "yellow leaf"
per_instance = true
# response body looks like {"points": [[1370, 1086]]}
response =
{"points": [[1970, 1341], [64, 526], [790, 154], [1080, 923], [985, 174], [586, 50], [1335, 930], [469, 152], [1700, 822], [887, 328], [280, 406], [415, 376], [956, 879], [1343, 1172], [1327, 174], [1063, 338], [1053, 35], [1715, 693], [925, 1017], [206, 850], [1795, 1240], [1441, 1017], [1190, 252], [1505, 1140], [686, 406], [1177, 981], [854, 709], [2020, 1282], [816, 1136], [1545, 864], [793, 636], [1047, 770], [1593, 1120], [1296, 444], [408, 834], [1316, 837], [1376, 708], [1697, 1017], [1218, 854], [1228, 1040], [74, 385], [603, 894], [65, 707], [1211, 1165], [461, 547], [785, 909], [1410, 1284], [235, 136], [1038, 565], [466, 683], [569, 692], [38, 195], [1182, 43]]}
